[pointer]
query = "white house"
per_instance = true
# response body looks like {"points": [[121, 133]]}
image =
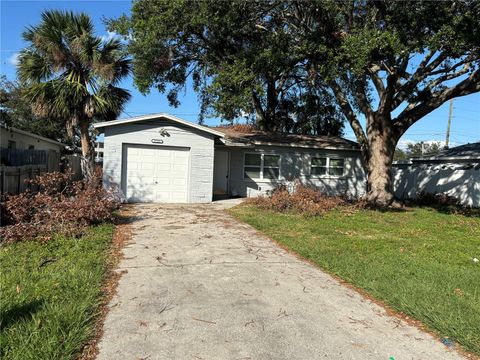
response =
{"points": [[161, 158]]}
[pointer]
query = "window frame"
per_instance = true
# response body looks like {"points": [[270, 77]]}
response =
{"points": [[319, 166], [262, 166], [327, 166], [336, 167]]}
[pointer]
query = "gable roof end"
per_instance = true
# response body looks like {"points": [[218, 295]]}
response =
{"points": [[172, 118]]}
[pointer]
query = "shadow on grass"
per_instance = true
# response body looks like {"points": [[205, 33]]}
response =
{"points": [[455, 210], [19, 313]]}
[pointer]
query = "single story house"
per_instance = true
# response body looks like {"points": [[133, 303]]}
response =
{"points": [[12, 138], [467, 154], [162, 158]]}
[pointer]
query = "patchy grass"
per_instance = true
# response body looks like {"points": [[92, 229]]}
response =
{"points": [[50, 294], [419, 262]]}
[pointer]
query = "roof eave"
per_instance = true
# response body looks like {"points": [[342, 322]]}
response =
{"points": [[39, 137], [105, 124], [292, 145], [446, 158]]}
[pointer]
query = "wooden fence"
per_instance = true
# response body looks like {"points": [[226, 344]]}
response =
{"points": [[21, 165], [13, 178]]}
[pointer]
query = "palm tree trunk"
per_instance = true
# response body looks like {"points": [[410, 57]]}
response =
{"points": [[87, 150]]}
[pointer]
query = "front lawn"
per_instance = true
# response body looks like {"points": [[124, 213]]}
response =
{"points": [[50, 293], [419, 262]]}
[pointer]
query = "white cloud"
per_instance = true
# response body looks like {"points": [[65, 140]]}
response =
{"points": [[109, 36], [13, 59]]}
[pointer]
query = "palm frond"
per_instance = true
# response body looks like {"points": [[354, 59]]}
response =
{"points": [[33, 67], [72, 73], [110, 102]]}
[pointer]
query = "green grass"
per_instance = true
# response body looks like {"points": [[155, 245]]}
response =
{"points": [[50, 294], [419, 261]]}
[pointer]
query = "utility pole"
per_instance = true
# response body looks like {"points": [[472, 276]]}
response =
{"points": [[447, 140]]}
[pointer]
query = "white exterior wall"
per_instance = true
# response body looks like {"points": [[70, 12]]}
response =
{"points": [[23, 141], [453, 180], [295, 166], [200, 143]]}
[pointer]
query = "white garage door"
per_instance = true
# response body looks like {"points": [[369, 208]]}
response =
{"points": [[157, 174]]}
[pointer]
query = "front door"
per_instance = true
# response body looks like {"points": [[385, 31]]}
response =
{"points": [[220, 173]]}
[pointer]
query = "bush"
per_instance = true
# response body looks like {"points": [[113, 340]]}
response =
{"points": [[60, 206], [436, 199], [303, 200]]}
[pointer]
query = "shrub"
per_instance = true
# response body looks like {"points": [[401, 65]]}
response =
{"points": [[303, 200], [60, 206], [436, 199]]}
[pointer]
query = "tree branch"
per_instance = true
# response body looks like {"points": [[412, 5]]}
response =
{"points": [[363, 102], [414, 113], [447, 77], [376, 79], [423, 70], [350, 115]]}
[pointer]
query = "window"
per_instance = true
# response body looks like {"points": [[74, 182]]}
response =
{"points": [[31, 147], [323, 165], [261, 166], [335, 167], [319, 166], [12, 144]]}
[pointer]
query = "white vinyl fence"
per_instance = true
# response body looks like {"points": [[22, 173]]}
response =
{"points": [[460, 181]]}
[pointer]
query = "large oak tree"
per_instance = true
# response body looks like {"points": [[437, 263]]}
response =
{"points": [[393, 62], [387, 64]]}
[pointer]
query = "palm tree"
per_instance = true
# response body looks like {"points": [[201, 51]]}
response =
{"points": [[71, 74]]}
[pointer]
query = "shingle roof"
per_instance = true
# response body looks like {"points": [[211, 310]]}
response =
{"points": [[249, 137]]}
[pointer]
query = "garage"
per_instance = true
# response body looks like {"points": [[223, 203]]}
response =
{"points": [[159, 158], [156, 174]]}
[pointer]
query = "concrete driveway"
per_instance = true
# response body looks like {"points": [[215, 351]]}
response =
{"points": [[201, 285]]}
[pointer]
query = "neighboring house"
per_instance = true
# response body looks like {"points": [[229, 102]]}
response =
{"points": [[13, 138], [99, 151], [23, 156], [161, 158], [454, 171], [460, 155]]}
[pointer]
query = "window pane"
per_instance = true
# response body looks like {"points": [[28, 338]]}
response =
{"points": [[319, 170], [253, 159], [252, 173], [337, 171], [319, 161], [270, 173], [271, 160], [336, 162]]}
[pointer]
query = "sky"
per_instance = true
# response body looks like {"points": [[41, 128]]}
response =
{"points": [[15, 15]]}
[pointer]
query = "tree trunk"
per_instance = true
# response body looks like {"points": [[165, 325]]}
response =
{"points": [[87, 151], [379, 158], [270, 124], [260, 115]]}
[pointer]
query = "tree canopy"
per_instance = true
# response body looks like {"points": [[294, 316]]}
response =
{"points": [[240, 57], [16, 112], [418, 149]]}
